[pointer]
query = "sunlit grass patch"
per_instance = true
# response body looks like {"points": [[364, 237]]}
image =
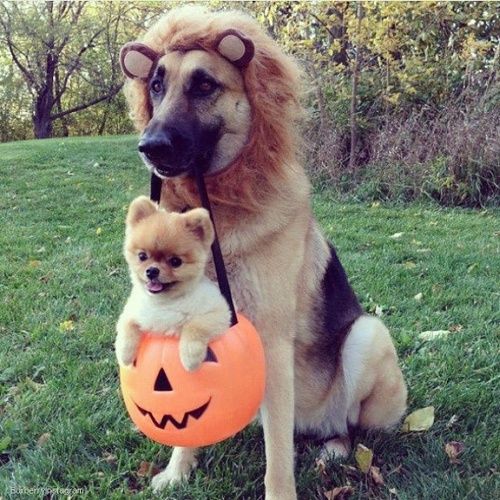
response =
{"points": [[63, 283]]}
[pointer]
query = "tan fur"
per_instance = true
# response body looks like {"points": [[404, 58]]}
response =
{"points": [[192, 307], [275, 253], [273, 139], [182, 461], [231, 103]]}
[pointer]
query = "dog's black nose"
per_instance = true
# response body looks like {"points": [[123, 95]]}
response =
{"points": [[157, 147], [152, 272], [166, 148]]}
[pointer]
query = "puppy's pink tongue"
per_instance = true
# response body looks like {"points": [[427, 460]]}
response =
{"points": [[155, 286]]}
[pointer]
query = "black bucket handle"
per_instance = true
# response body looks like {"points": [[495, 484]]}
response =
{"points": [[220, 268]]}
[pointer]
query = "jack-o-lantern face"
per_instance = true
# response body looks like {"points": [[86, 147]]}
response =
{"points": [[180, 408]]}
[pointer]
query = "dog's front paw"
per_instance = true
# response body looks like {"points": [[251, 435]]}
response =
{"points": [[174, 473], [125, 353], [282, 495], [281, 488], [192, 353]]}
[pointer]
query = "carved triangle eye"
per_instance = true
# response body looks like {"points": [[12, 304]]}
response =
{"points": [[162, 383], [210, 357]]}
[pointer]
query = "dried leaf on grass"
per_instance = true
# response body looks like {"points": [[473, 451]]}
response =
{"points": [[453, 420], [364, 458], [67, 326], [339, 493], [147, 469], [453, 449], [109, 457], [419, 420], [396, 236], [43, 439], [376, 475], [433, 334], [320, 466], [5, 442], [35, 386], [472, 267]]}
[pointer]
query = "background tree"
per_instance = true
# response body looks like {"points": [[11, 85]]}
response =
{"points": [[52, 45], [401, 102]]}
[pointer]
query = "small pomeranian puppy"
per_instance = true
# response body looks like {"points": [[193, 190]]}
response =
{"points": [[167, 253]]}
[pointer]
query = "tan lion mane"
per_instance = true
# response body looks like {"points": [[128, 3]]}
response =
{"points": [[272, 82]]}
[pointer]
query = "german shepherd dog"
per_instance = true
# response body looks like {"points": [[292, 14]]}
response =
{"points": [[212, 89]]}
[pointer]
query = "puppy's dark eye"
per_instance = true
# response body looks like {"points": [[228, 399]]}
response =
{"points": [[210, 357], [156, 86], [175, 261], [143, 256]]}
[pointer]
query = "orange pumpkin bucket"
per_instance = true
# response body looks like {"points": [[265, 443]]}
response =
{"points": [[179, 408]]}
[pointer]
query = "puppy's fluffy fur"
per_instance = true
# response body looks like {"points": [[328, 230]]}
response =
{"points": [[167, 254]]}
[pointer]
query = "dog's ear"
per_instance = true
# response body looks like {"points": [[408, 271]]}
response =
{"points": [[137, 60], [139, 209], [198, 222], [235, 47]]}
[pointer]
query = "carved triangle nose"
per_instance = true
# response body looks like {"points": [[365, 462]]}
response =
{"points": [[162, 383]]}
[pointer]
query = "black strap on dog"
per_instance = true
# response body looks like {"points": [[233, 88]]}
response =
{"points": [[155, 188], [220, 268]]}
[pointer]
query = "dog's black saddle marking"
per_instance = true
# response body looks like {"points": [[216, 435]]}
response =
{"points": [[339, 309]]}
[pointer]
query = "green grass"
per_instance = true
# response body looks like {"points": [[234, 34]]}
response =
{"points": [[62, 209]]}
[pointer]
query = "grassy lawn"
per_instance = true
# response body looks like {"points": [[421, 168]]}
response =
{"points": [[63, 283]]}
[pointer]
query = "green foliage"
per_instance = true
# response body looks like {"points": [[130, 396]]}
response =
{"points": [[63, 424], [15, 118], [427, 95], [427, 101], [66, 54], [411, 52]]}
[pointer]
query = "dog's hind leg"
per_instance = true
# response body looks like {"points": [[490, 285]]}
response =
{"points": [[373, 389], [182, 462], [375, 385], [338, 447]]}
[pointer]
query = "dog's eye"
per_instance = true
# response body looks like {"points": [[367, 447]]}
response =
{"points": [[157, 86], [143, 256], [175, 261], [202, 88], [206, 86]]}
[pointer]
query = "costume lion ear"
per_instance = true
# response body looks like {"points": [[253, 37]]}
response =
{"points": [[235, 47], [137, 60]]}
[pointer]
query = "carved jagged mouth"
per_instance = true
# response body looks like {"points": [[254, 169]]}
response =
{"points": [[196, 414]]}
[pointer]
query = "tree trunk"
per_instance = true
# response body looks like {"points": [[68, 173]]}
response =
{"points": [[42, 119], [354, 96], [102, 126], [42, 122], [320, 97], [58, 105]]}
